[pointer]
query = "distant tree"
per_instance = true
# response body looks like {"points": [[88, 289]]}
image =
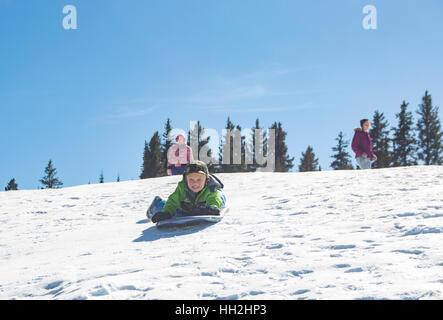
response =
{"points": [[11, 185], [146, 159], [429, 132], [101, 179], [403, 141], [239, 150], [50, 181], [379, 133], [283, 163], [308, 162], [342, 158], [262, 143], [118, 177], [226, 139], [166, 144], [197, 134], [152, 158], [244, 149]]}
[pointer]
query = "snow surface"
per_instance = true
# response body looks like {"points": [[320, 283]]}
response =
{"points": [[371, 234]]}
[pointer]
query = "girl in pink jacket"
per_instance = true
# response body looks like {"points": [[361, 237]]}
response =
{"points": [[179, 155]]}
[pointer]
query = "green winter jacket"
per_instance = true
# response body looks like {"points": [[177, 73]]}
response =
{"points": [[207, 195]]}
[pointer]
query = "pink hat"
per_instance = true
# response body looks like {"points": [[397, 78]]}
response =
{"points": [[180, 135]]}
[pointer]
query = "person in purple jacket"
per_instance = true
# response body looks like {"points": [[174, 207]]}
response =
{"points": [[362, 145]]}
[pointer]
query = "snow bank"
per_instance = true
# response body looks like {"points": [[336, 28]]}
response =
{"points": [[370, 234]]}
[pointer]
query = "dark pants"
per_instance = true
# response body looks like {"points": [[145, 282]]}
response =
{"points": [[178, 170]]}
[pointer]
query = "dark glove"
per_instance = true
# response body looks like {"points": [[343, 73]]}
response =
{"points": [[213, 211], [159, 216], [210, 211], [186, 208], [199, 209], [201, 204]]}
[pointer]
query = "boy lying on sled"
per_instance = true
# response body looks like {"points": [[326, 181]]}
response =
{"points": [[198, 193]]}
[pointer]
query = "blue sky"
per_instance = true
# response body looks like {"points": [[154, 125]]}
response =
{"points": [[89, 98]]}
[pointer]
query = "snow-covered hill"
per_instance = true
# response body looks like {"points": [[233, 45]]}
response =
{"points": [[320, 235]]}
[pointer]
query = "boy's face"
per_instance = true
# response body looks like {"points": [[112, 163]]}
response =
{"points": [[196, 181]]}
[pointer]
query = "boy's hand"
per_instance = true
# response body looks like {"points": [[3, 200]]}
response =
{"points": [[186, 207], [213, 210], [210, 211], [200, 209], [159, 216], [374, 157], [364, 155], [201, 204]]}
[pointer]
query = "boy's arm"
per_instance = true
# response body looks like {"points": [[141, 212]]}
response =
{"points": [[172, 203], [214, 200]]}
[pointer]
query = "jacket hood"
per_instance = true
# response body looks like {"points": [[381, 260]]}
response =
{"points": [[212, 183]]}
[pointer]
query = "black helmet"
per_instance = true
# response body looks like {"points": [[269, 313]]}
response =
{"points": [[197, 166]]}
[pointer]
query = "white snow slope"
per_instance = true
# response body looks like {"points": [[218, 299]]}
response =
{"points": [[372, 234]]}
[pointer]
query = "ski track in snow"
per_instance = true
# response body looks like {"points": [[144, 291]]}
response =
{"points": [[373, 234]]}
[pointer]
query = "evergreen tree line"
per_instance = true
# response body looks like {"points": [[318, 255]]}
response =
{"points": [[406, 144], [155, 151], [50, 179], [403, 145]]}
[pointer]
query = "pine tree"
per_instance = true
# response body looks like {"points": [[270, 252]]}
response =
{"points": [[50, 181], [238, 147], [227, 138], [146, 155], [429, 132], [379, 133], [342, 158], [158, 167], [261, 144], [152, 158], [196, 140], [403, 141], [11, 185], [283, 163], [102, 178], [166, 144], [308, 162], [241, 167], [118, 177]]}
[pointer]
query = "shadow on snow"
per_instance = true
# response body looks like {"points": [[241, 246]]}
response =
{"points": [[153, 233]]}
